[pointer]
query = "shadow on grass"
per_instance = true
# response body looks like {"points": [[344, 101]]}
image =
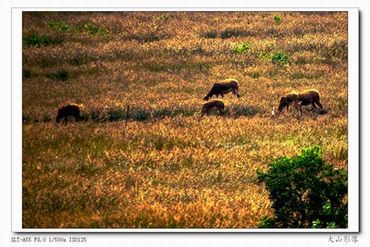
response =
{"points": [[141, 114], [242, 110], [119, 114]]}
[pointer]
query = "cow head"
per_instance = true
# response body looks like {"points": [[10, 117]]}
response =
{"points": [[284, 102]]}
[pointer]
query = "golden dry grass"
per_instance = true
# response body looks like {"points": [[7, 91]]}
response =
{"points": [[167, 168]]}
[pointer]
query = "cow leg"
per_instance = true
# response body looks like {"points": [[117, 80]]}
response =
{"points": [[221, 111], [236, 93], [298, 107], [319, 104], [313, 106], [299, 111], [77, 117]]}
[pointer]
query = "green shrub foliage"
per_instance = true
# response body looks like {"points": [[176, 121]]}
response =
{"points": [[242, 47], [305, 192], [278, 19], [35, 39], [280, 58]]}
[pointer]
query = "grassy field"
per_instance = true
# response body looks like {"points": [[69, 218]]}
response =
{"points": [[166, 168]]}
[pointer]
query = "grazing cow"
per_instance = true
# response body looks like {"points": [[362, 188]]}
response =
{"points": [[300, 99], [69, 110], [223, 87], [213, 104]]}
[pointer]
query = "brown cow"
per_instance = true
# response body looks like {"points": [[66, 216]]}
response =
{"points": [[223, 87], [298, 100], [69, 110], [213, 104]]}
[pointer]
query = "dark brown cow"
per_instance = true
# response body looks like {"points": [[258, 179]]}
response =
{"points": [[308, 97], [213, 104], [69, 110], [223, 87]]}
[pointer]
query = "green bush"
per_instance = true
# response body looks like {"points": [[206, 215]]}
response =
{"points": [[92, 29], [278, 19], [305, 192], [280, 58], [35, 39], [87, 28], [242, 47], [59, 26]]}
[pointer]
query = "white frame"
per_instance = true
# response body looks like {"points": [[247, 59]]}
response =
{"points": [[353, 125]]}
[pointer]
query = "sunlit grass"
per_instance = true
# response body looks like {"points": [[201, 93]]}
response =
{"points": [[166, 167]]}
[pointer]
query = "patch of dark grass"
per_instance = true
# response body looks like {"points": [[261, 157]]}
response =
{"points": [[26, 118], [147, 37], [299, 47], [186, 51], [175, 67], [209, 34], [233, 32], [60, 75], [27, 74], [247, 60], [81, 58], [86, 169], [140, 115], [243, 110], [77, 61], [255, 74], [168, 112], [137, 114], [301, 60], [301, 75], [272, 32], [298, 32], [45, 62], [116, 114], [274, 73], [47, 117], [35, 39], [95, 115], [298, 75], [336, 52]]}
